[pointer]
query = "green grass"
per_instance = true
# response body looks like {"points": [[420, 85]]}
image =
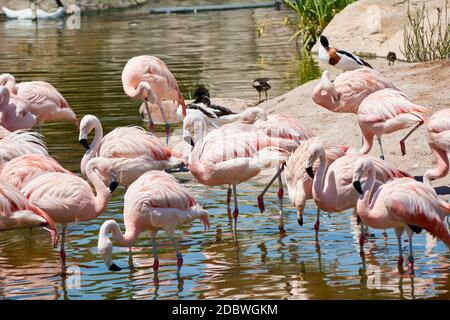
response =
{"points": [[312, 16]]}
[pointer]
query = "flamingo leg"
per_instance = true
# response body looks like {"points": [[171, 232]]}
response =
{"points": [[381, 148], [167, 124], [362, 237], [150, 125], [259, 96], [229, 201], [317, 224], [261, 195], [400, 250], [62, 251], [411, 253], [402, 142], [236, 209], [154, 252], [280, 200], [179, 256], [266, 94]]}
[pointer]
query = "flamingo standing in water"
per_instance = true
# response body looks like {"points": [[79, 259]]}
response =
{"points": [[332, 188], [19, 143], [41, 98], [438, 136], [155, 201], [402, 204], [299, 184], [68, 198], [147, 78], [349, 89], [386, 111], [13, 114], [233, 154], [131, 150], [21, 170], [17, 211]]}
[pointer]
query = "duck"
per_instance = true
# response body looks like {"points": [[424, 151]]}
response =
{"points": [[261, 85], [202, 104], [33, 13], [340, 59]]}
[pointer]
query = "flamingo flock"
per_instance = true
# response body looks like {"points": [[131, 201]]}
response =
{"points": [[224, 148]]}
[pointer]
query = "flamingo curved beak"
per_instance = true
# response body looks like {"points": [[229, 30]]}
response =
{"points": [[85, 143], [357, 186], [310, 172], [114, 267]]}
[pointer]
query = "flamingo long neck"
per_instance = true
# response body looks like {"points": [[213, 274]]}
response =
{"points": [[123, 240], [363, 205], [94, 146], [440, 170], [4, 103], [136, 93], [322, 188], [103, 194], [367, 141]]}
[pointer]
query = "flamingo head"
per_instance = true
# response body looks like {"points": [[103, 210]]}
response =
{"points": [[86, 125], [194, 125], [362, 167], [9, 81], [147, 92], [315, 150], [251, 115], [104, 169], [105, 246], [204, 218], [325, 81]]}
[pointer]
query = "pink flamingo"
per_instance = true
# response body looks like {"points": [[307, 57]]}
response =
{"points": [[274, 125], [21, 170], [42, 99], [147, 78], [13, 116], [332, 188], [155, 201], [16, 211], [349, 89], [233, 154], [68, 198], [19, 143], [438, 136], [299, 184], [131, 150], [386, 111], [400, 204]]}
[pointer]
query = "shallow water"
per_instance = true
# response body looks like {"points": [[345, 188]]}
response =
{"points": [[222, 50]]}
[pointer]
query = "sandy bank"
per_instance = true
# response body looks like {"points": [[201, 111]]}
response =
{"points": [[424, 83]]}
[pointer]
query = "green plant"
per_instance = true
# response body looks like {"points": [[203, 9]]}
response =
{"points": [[312, 16], [424, 40]]}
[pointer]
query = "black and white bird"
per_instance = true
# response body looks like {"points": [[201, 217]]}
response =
{"points": [[340, 59], [202, 104], [261, 85]]}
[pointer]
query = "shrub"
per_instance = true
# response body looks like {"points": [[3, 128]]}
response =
{"points": [[423, 40]]}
